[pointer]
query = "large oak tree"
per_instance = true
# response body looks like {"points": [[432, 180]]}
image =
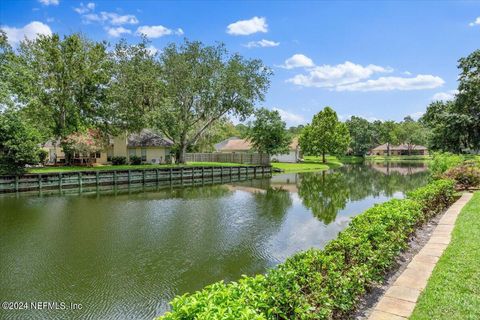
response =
{"points": [[202, 85]]}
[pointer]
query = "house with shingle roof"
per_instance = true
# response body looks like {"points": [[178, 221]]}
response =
{"points": [[399, 150], [150, 146], [239, 145]]}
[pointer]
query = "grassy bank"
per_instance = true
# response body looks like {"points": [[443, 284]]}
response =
{"points": [[310, 164], [130, 167], [453, 291]]}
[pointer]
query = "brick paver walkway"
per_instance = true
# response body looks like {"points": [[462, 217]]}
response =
{"points": [[400, 299]]}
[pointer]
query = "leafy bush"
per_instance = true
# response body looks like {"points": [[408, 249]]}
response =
{"points": [[42, 155], [441, 162], [135, 160], [434, 197], [118, 161], [18, 143], [322, 284], [466, 176]]}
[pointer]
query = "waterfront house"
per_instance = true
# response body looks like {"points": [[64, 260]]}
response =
{"points": [[399, 150], [238, 145], [150, 146]]}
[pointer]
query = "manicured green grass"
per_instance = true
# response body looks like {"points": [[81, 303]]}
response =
{"points": [[310, 164], [129, 167], [453, 291]]}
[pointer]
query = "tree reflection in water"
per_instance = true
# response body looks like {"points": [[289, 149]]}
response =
{"points": [[326, 193]]}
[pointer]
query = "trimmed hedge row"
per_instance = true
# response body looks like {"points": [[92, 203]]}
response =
{"points": [[322, 284]]}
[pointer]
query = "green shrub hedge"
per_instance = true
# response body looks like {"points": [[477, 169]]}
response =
{"points": [[322, 284]]}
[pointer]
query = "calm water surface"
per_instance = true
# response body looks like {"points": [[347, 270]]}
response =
{"points": [[125, 256]]}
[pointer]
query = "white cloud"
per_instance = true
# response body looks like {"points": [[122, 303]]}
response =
{"points": [[152, 50], [117, 31], [445, 96], [298, 61], [475, 23], [327, 76], [262, 43], [49, 2], [85, 8], [246, 27], [418, 82], [290, 118], [29, 31], [110, 18], [157, 31]]}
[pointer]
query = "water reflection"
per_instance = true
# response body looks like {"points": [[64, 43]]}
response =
{"points": [[126, 253]]}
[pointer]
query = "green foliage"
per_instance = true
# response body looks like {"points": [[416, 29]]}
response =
{"points": [[135, 160], [434, 197], [118, 161], [268, 133], [455, 125], [18, 143], [466, 176], [136, 88], [62, 83], [411, 133], [42, 155], [441, 162], [325, 135], [363, 135], [202, 85], [320, 284]]}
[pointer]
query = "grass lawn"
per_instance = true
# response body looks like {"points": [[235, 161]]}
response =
{"points": [[453, 291], [310, 164], [129, 167]]}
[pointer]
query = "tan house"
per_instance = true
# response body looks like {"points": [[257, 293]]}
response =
{"points": [[398, 150], [150, 146], [235, 144]]}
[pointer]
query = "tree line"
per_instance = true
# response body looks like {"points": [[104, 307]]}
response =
{"points": [[55, 86]]}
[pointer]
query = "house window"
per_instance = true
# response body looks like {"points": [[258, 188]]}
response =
{"points": [[132, 153], [144, 154]]}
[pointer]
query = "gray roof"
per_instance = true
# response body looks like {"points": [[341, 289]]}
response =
{"points": [[148, 138]]}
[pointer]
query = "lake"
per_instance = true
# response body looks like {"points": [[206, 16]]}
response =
{"points": [[126, 254]]}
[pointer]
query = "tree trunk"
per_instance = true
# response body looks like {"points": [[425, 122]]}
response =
{"points": [[180, 159], [388, 149], [323, 157]]}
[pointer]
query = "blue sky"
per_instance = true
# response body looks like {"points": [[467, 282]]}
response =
{"points": [[378, 60]]}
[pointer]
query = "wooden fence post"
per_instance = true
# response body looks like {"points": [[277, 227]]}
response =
{"points": [[60, 180], [16, 183], [80, 180], [39, 181], [97, 176]]}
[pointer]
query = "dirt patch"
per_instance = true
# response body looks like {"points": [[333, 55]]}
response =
{"points": [[416, 243]]}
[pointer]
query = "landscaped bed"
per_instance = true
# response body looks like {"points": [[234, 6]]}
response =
{"points": [[453, 290], [328, 283]]}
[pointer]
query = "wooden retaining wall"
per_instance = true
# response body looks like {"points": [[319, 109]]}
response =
{"points": [[234, 157], [59, 180]]}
